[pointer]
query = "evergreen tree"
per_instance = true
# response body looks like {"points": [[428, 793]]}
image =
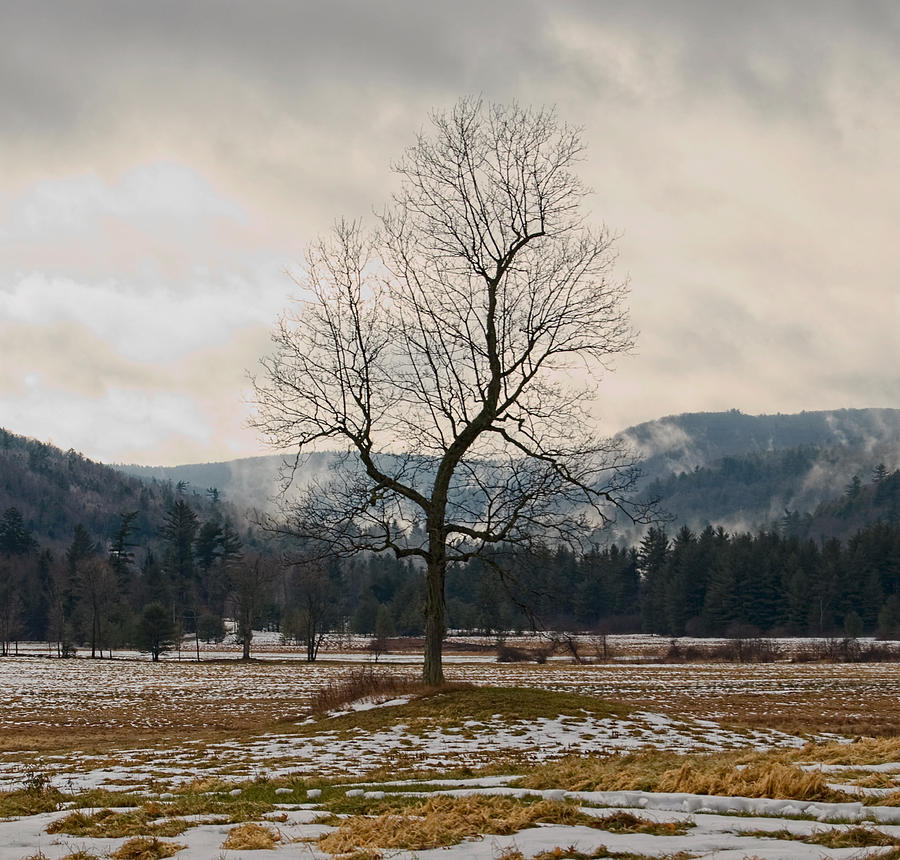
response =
{"points": [[652, 561], [15, 537]]}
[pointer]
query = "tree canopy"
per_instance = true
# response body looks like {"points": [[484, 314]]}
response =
{"points": [[451, 353]]}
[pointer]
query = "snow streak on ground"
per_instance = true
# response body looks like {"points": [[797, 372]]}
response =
{"points": [[153, 727], [331, 753]]}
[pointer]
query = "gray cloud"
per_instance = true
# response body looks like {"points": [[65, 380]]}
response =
{"points": [[161, 162]]}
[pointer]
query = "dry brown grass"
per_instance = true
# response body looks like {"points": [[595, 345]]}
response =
{"points": [[443, 821], [572, 853], [862, 751], [738, 774], [835, 837], [114, 825], [146, 848], [770, 779], [251, 837], [363, 683]]}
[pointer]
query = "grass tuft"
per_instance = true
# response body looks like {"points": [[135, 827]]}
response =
{"points": [[114, 825], [625, 822], [732, 774], [835, 837], [146, 848], [441, 821], [572, 853], [251, 837], [15, 804]]}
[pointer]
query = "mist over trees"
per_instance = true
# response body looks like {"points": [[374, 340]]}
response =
{"points": [[63, 518], [94, 590]]}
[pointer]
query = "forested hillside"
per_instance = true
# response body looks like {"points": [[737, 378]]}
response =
{"points": [[682, 443], [84, 549], [87, 552], [747, 472], [56, 490], [725, 468]]}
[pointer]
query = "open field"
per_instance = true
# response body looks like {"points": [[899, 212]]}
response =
{"points": [[185, 753]]}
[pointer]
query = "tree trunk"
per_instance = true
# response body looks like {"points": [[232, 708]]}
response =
{"points": [[247, 635], [433, 670]]}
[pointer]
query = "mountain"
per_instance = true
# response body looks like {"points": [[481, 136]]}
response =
{"points": [[746, 472], [682, 443], [56, 490], [726, 468]]}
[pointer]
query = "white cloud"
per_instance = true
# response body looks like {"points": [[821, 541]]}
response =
{"points": [[147, 324]]}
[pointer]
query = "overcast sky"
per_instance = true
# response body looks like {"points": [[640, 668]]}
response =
{"points": [[161, 163]]}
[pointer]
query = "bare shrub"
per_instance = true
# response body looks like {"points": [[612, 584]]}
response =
{"points": [[679, 652], [847, 650], [364, 683], [509, 654], [737, 650], [252, 837], [602, 652]]}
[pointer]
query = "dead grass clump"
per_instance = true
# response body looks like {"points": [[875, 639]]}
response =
{"points": [[835, 837], [203, 785], [732, 774], [629, 772], [446, 821], [851, 837], [362, 683], [572, 853], [767, 779], [114, 825], [146, 848], [625, 822], [251, 837], [861, 751], [16, 804]]}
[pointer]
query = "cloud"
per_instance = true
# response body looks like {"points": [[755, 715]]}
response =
{"points": [[68, 379], [161, 163]]}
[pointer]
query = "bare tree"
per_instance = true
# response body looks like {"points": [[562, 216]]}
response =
{"points": [[450, 355], [249, 581], [317, 600]]}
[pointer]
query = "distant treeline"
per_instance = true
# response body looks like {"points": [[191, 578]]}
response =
{"points": [[96, 559], [710, 583]]}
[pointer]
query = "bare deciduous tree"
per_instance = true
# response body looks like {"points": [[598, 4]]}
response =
{"points": [[249, 581], [449, 354]]}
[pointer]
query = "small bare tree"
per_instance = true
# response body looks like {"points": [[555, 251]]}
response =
{"points": [[317, 600], [249, 581], [449, 355]]}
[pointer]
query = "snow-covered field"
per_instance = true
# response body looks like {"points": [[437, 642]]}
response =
{"points": [[130, 725]]}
